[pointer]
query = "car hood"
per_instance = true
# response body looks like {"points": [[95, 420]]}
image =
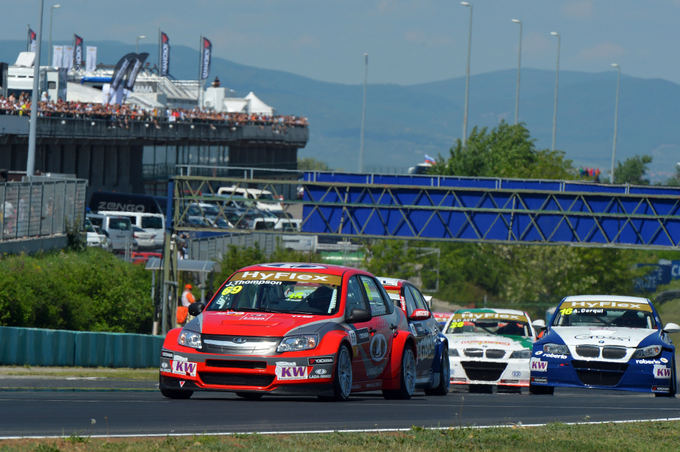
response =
{"points": [[486, 341], [258, 323], [626, 337]]}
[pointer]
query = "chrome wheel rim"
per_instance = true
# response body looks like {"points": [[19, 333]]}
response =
{"points": [[409, 371], [344, 372]]}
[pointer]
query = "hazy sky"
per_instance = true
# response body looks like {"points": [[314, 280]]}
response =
{"points": [[408, 41]]}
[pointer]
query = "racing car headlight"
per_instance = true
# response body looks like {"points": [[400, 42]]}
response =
{"points": [[521, 354], [453, 352], [190, 338], [557, 349], [650, 351], [297, 343]]}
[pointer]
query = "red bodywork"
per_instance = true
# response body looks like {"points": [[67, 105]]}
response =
{"points": [[226, 362]]}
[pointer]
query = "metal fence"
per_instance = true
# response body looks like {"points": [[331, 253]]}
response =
{"points": [[40, 208]]}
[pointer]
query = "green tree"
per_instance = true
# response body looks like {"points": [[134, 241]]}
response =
{"points": [[311, 164], [505, 151], [675, 180], [91, 290], [633, 170], [236, 257], [523, 275]]}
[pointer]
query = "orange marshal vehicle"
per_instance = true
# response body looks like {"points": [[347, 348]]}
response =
{"points": [[292, 328]]}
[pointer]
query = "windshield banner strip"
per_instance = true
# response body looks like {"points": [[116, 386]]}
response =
{"points": [[473, 316], [317, 278], [607, 305]]}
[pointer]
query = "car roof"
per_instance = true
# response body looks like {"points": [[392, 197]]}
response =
{"points": [[338, 270], [621, 298], [496, 310], [392, 282]]}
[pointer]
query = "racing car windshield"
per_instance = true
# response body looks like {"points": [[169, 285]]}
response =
{"points": [[605, 314], [284, 292], [489, 323]]}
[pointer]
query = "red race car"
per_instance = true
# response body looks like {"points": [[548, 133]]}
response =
{"points": [[292, 328]]}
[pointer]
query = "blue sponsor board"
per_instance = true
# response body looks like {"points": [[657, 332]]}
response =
{"points": [[660, 274]]}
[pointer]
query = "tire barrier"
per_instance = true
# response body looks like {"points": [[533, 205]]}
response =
{"points": [[42, 347]]}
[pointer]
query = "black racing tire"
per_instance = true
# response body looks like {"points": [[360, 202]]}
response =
{"points": [[176, 393], [407, 377], [541, 390], [444, 377], [249, 395], [342, 377]]}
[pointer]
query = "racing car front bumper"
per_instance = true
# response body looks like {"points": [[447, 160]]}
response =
{"points": [[512, 372], [281, 374], [640, 375]]}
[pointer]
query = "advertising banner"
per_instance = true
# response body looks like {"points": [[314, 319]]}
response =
{"points": [[91, 59], [57, 55], [77, 52], [119, 73], [137, 64], [206, 54], [165, 55], [67, 57]]}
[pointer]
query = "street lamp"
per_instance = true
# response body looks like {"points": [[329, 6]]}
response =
{"points": [[49, 51], [519, 66], [137, 42], [467, 74], [363, 117], [33, 124], [557, 83], [616, 118]]}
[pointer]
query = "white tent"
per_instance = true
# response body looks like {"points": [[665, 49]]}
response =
{"points": [[235, 105], [76, 92], [255, 105]]}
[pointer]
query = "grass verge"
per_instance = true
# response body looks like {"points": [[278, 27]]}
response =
{"points": [[648, 436], [147, 374]]}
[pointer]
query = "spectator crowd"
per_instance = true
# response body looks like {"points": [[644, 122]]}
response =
{"points": [[123, 114]]}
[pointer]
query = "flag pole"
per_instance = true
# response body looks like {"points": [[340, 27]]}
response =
{"points": [[160, 50], [200, 60]]}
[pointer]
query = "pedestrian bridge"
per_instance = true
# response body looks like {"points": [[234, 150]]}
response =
{"points": [[451, 208]]}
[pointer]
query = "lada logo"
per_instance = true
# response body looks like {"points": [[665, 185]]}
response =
{"points": [[239, 340], [378, 347]]}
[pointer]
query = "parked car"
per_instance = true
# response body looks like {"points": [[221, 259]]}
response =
{"points": [[96, 237], [264, 199], [292, 328], [145, 239], [432, 363], [118, 228], [150, 222]]}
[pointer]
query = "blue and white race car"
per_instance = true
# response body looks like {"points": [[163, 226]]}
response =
{"points": [[605, 342]]}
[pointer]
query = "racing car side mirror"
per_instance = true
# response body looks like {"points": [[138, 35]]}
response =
{"points": [[196, 308], [358, 316], [539, 323], [419, 314], [671, 328]]}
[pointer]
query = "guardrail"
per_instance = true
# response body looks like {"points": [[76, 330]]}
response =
{"points": [[42, 347], [40, 208]]}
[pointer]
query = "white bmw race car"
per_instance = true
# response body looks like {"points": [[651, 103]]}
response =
{"points": [[490, 347], [605, 342]]}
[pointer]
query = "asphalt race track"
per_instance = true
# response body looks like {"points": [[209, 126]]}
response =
{"points": [[60, 411]]}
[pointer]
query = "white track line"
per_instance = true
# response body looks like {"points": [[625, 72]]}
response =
{"points": [[315, 432]]}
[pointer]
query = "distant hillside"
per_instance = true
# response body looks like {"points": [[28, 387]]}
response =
{"points": [[405, 122]]}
